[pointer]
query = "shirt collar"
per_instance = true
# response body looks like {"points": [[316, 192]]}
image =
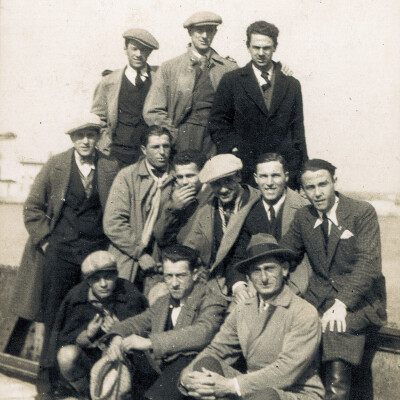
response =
{"points": [[150, 170], [257, 73], [277, 206], [331, 214], [83, 166], [131, 73]]}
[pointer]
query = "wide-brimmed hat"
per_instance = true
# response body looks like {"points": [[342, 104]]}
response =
{"points": [[109, 380], [262, 246]]}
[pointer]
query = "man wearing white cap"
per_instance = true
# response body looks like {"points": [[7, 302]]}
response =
{"points": [[119, 98], [63, 215], [183, 92], [90, 310], [218, 221]]}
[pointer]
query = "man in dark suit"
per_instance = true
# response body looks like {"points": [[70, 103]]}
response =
{"points": [[63, 215], [342, 240], [174, 329], [119, 99], [273, 213], [258, 109]]}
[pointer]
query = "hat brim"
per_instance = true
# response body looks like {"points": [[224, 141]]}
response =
{"points": [[203, 24], [220, 176], [108, 268], [89, 125], [143, 43], [282, 254]]}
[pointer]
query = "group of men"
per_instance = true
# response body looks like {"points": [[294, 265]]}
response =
{"points": [[183, 193]]}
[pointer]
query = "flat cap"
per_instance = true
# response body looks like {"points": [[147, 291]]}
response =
{"points": [[202, 18], [219, 167], [142, 36], [98, 261], [83, 122]]}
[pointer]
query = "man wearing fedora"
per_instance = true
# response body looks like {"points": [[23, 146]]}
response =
{"points": [[172, 331], [89, 311], [277, 332], [183, 90], [342, 241], [119, 98], [218, 221], [63, 215]]}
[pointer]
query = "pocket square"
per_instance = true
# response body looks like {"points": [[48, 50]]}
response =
{"points": [[346, 234]]}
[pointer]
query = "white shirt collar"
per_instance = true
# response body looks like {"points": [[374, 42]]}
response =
{"points": [[257, 73], [277, 206], [150, 169], [331, 214], [197, 54], [131, 73], [85, 168]]}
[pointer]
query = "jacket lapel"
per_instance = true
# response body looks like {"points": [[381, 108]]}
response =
{"points": [[113, 97], [252, 88], [160, 315], [188, 308], [288, 211], [279, 90]]}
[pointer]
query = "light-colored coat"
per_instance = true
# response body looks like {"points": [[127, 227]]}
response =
{"points": [[42, 210], [200, 317], [279, 346], [169, 100], [124, 216], [105, 105]]}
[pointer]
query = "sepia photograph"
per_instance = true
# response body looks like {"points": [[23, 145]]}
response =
{"points": [[199, 199]]}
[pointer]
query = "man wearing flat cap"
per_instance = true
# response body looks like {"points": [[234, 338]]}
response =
{"points": [[183, 90], [119, 98], [63, 215], [277, 332], [89, 311], [218, 221]]}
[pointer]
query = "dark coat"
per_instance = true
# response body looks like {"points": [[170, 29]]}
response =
{"points": [[239, 118], [201, 315], [42, 210]]}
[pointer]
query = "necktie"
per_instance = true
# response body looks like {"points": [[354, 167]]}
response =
{"points": [[265, 76], [138, 80], [173, 304], [272, 220], [325, 230]]}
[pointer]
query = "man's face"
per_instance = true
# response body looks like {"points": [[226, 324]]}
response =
{"points": [[267, 277], [188, 175], [226, 189], [261, 49], [202, 37], [157, 151], [103, 283], [319, 187], [84, 141], [137, 54], [271, 180], [179, 278]]}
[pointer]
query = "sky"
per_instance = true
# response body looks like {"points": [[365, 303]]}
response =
{"points": [[345, 53]]}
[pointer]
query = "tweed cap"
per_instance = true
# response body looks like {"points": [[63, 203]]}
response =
{"points": [[142, 36], [203, 18], [98, 261], [219, 167], [262, 246], [83, 122]]}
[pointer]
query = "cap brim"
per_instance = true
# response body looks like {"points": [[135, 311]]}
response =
{"points": [[220, 177], [145, 44], [109, 268], [284, 255], [203, 24]]}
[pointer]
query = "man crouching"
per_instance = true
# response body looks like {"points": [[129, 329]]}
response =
{"points": [[88, 312], [172, 331], [277, 333]]}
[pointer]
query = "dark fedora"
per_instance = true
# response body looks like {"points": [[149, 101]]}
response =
{"points": [[262, 246]]}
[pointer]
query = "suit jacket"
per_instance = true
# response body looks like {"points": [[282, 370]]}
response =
{"points": [[200, 317], [257, 222], [279, 346], [352, 269], [169, 101], [124, 215], [42, 210], [239, 118], [105, 105], [201, 236]]}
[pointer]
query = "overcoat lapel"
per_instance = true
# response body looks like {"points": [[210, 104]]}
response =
{"points": [[252, 88], [160, 315], [256, 320], [113, 98], [280, 87]]}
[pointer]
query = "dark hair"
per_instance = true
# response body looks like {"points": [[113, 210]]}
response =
{"points": [[186, 157], [316, 164], [154, 130], [179, 252], [262, 28], [268, 157]]}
